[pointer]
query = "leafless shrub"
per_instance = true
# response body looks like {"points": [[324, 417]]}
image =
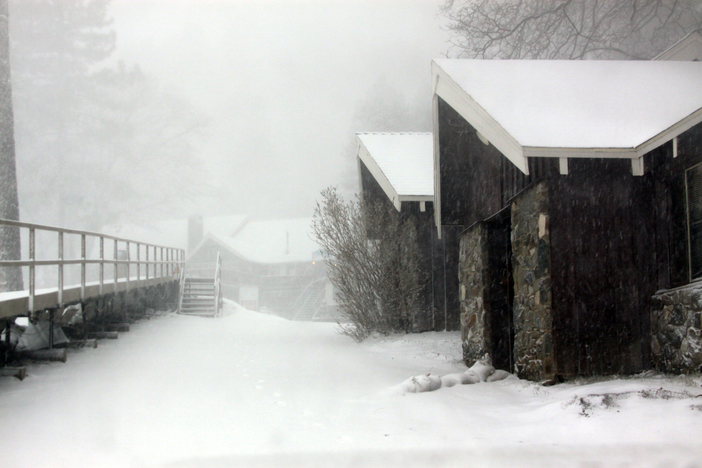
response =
{"points": [[372, 260]]}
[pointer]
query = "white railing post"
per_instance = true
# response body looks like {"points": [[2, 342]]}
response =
{"points": [[60, 268], [129, 266], [32, 272], [138, 265], [102, 265], [116, 268], [82, 268]]}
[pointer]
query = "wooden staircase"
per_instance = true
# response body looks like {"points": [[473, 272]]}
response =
{"points": [[201, 296], [198, 297]]}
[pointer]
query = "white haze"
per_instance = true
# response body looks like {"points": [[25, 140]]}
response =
{"points": [[280, 81]]}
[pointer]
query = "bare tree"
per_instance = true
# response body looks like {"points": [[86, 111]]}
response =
{"points": [[10, 278], [372, 260], [569, 29]]}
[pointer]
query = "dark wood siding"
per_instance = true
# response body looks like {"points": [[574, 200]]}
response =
{"points": [[372, 191], [668, 175], [603, 266], [477, 181]]}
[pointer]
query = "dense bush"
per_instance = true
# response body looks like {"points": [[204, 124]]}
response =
{"points": [[372, 261]]}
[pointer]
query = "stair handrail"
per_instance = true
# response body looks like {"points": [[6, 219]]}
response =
{"points": [[306, 295], [182, 289], [218, 287]]}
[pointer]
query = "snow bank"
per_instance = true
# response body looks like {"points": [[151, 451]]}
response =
{"points": [[479, 372], [251, 389]]}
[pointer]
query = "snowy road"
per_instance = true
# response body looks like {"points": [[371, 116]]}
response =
{"points": [[256, 390]]}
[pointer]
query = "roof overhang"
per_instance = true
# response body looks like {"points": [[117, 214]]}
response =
{"points": [[491, 130], [364, 155]]}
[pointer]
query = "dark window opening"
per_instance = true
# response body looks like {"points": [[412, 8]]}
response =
{"points": [[694, 212], [686, 227]]}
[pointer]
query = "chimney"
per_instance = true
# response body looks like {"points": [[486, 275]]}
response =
{"points": [[195, 232]]}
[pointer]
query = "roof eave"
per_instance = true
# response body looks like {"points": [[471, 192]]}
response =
{"points": [[618, 153], [455, 96], [377, 173]]}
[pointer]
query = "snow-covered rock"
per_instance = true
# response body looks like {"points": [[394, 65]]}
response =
{"points": [[421, 383]]}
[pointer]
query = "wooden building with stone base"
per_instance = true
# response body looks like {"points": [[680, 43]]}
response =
{"points": [[577, 189]]}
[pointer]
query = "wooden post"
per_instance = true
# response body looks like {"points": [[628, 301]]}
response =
{"points": [[8, 336], [19, 372], [51, 329], [55, 354]]}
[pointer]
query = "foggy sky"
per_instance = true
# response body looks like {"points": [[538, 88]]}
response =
{"points": [[279, 81]]}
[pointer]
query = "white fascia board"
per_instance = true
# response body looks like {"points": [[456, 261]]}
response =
{"points": [[618, 153], [470, 110], [670, 133], [612, 153], [416, 198], [365, 156], [437, 155]]}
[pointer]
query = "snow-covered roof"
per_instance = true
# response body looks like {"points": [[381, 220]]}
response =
{"points": [[688, 48], [402, 163], [588, 108], [174, 232], [272, 241]]}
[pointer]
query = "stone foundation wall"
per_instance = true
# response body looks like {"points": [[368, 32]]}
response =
{"points": [[676, 342], [531, 264], [472, 280]]}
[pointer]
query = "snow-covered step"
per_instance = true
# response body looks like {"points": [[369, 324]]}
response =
{"points": [[198, 297]]}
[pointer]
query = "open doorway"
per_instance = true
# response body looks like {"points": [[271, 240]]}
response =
{"points": [[501, 290]]}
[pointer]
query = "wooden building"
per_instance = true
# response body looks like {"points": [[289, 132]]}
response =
{"points": [[397, 168], [577, 190]]}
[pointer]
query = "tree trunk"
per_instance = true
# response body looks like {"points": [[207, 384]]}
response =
{"points": [[10, 278]]}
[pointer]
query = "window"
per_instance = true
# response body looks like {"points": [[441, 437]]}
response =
{"points": [[694, 214], [686, 228]]}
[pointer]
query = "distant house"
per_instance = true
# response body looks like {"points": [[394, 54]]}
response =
{"points": [[272, 266], [397, 168], [577, 190]]}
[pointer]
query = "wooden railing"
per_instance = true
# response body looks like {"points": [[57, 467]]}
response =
{"points": [[154, 264]]}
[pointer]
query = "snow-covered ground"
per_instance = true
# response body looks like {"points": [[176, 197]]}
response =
{"points": [[256, 390]]}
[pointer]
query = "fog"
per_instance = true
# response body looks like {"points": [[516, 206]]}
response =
{"points": [[280, 83]]}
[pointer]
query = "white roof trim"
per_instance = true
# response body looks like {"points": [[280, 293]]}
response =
{"points": [[377, 173], [437, 155], [456, 97], [464, 104]]}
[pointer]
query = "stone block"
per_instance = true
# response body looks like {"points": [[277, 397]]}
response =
{"points": [[656, 304], [696, 299], [673, 336], [529, 276], [678, 315]]}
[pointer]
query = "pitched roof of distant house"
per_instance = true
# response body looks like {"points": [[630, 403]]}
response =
{"points": [[687, 48], [588, 108], [272, 241], [174, 232], [401, 163]]}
